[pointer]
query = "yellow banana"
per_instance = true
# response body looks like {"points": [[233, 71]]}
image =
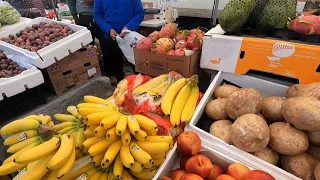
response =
{"points": [[46, 176], [126, 157], [89, 142], [133, 125], [111, 133], [104, 176], [20, 136], [154, 147], [118, 167], [146, 123], [88, 133], [178, 105], [80, 153], [84, 112], [92, 127], [20, 145], [126, 137], [96, 118], [19, 125], [10, 168], [43, 119], [63, 125], [121, 125], [139, 154], [53, 175], [90, 105], [74, 111], [51, 124], [158, 162], [149, 165], [153, 132], [30, 165], [87, 174], [79, 139], [145, 173], [65, 117], [110, 121], [11, 158], [38, 152], [111, 175], [95, 100], [126, 175], [158, 156], [66, 130], [82, 170], [96, 160], [167, 139], [150, 84], [63, 153], [173, 90], [100, 132], [190, 106], [111, 153], [68, 165], [141, 136], [137, 167], [101, 146], [159, 90], [96, 175]]}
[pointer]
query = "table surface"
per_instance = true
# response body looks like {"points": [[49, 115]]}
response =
{"points": [[154, 23]]}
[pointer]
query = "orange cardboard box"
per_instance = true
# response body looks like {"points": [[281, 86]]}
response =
{"points": [[241, 54]]}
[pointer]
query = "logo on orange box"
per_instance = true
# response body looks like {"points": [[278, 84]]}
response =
{"points": [[282, 50], [216, 61]]}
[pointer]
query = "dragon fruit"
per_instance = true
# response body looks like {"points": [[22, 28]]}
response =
{"points": [[154, 36], [305, 24], [168, 30], [144, 44], [196, 32], [182, 44], [171, 53], [166, 43], [179, 52], [194, 41], [156, 48], [182, 35]]}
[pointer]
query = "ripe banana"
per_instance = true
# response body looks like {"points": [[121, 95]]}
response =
{"points": [[96, 160], [19, 125], [63, 125], [68, 165], [10, 167], [137, 167], [90, 105], [158, 156], [100, 132], [63, 153], [153, 132], [111, 175], [159, 90], [84, 112], [101, 146], [20, 136], [38, 152], [118, 167], [167, 139], [65, 117], [87, 174], [96, 118], [145, 173], [74, 111], [126, 137], [88, 133], [149, 165], [51, 124], [150, 84], [179, 103], [52, 175], [141, 136], [111, 133], [92, 127], [79, 139], [89, 142], [82, 170], [173, 90], [20, 145], [110, 121], [126, 157], [145, 122], [121, 125], [111, 153], [95, 100], [133, 125], [11, 158], [96, 175], [43, 119], [158, 162], [66, 130], [104, 176], [154, 147], [126, 175], [139, 154], [190, 106]]}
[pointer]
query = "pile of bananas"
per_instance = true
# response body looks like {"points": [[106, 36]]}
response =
{"points": [[180, 100]]}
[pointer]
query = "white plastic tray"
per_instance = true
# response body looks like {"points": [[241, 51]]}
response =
{"points": [[267, 88], [29, 78], [52, 53]]}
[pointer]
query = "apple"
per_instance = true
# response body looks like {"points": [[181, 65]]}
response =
{"points": [[199, 164], [238, 171], [259, 175], [215, 172], [183, 161], [177, 174], [225, 177], [189, 143], [165, 178], [190, 176]]}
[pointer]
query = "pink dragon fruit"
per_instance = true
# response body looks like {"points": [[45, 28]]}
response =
{"points": [[182, 35], [154, 36], [182, 44], [166, 43], [158, 49], [168, 30], [171, 53], [305, 24], [179, 52], [144, 44], [196, 32], [195, 42]]}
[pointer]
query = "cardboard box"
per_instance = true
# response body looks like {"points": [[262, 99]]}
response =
{"points": [[155, 64], [241, 54], [72, 70]]}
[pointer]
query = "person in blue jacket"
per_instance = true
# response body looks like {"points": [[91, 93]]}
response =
{"points": [[114, 16]]}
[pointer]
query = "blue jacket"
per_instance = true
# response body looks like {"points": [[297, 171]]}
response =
{"points": [[117, 14]]}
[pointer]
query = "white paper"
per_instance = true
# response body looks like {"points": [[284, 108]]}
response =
{"points": [[92, 71]]}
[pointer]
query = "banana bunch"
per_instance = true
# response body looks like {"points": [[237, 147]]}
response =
{"points": [[180, 100]]}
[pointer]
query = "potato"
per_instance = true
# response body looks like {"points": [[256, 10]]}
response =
{"points": [[302, 112], [310, 90], [216, 109], [287, 140], [314, 151], [317, 172], [250, 133], [301, 165], [293, 90], [271, 108], [267, 154], [221, 129], [314, 138], [244, 101], [224, 91]]}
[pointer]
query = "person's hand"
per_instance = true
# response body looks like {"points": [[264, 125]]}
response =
{"points": [[113, 34], [123, 34], [89, 2]]}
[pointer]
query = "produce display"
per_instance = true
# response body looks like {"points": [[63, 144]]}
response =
{"points": [[8, 14], [8, 68], [171, 41], [38, 36], [278, 130], [196, 166]]}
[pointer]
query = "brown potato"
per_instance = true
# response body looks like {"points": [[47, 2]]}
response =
{"points": [[317, 172], [302, 112], [314, 151], [314, 138], [310, 90], [293, 90], [250, 133], [224, 91], [221, 129], [271, 108], [244, 101], [267, 154], [302, 165], [216, 109], [287, 140]]}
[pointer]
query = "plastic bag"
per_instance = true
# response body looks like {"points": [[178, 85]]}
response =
{"points": [[8, 14], [128, 43]]}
